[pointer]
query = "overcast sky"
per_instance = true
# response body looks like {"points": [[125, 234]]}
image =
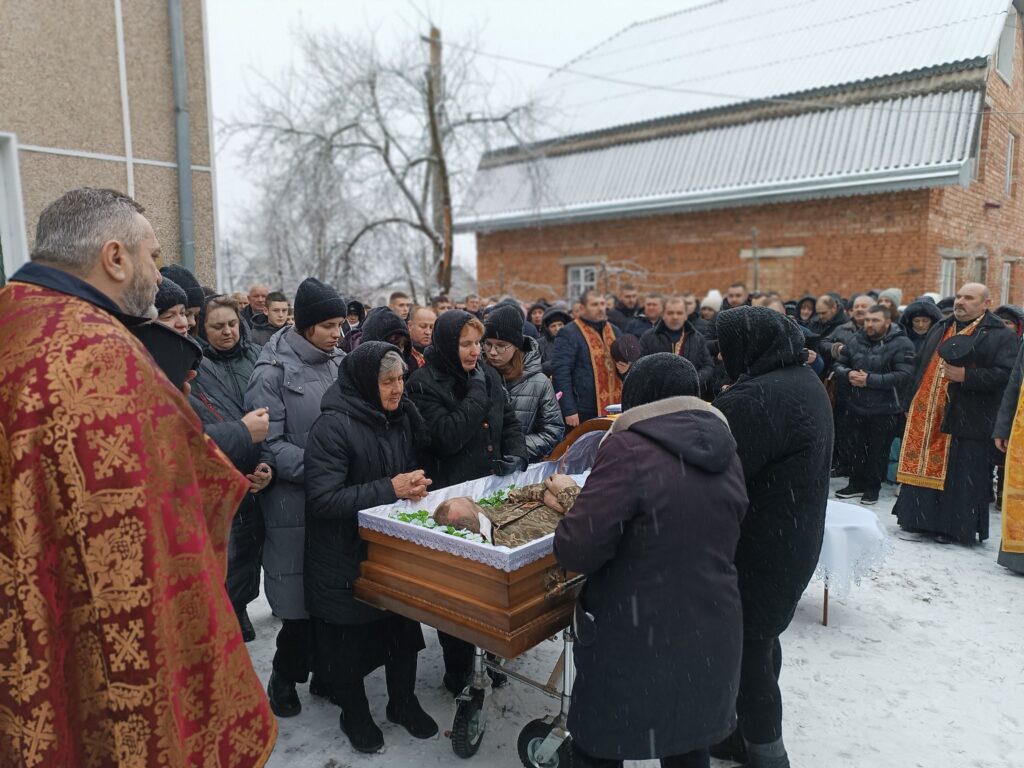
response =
{"points": [[251, 39]]}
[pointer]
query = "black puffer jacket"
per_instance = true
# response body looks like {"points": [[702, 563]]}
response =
{"points": [[889, 363], [352, 452], [469, 418], [695, 348], [923, 308], [533, 399], [782, 421], [973, 404]]}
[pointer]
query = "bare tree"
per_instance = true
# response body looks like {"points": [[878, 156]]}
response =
{"points": [[361, 155]]}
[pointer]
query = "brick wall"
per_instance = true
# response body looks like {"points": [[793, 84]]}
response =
{"points": [[848, 244]]}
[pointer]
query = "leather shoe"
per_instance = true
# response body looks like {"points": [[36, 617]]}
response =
{"points": [[284, 701]]}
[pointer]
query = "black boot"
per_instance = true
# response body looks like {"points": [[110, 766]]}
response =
{"points": [[731, 748], [403, 706], [248, 631], [356, 721], [284, 701], [767, 755], [319, 687]]}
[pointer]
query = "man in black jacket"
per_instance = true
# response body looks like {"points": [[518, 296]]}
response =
{"points": [[674, 333], [878, 363], [946, 468]]}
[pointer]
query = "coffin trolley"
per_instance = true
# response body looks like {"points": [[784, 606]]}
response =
{"points": [[503, 601]]}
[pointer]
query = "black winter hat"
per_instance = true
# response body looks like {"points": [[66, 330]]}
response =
{"points": [[957, 350], [382, 323], [505, 322], [556, 313], [187, 282], [316, 302], [658, 376], [170, 295]]}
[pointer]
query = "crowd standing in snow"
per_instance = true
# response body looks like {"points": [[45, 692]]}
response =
{"points": [[120, 521]]}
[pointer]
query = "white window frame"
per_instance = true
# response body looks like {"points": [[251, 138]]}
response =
{"points": [[1011, 153], [13, 242], [1007, 276], [1007, 47], [577, 280], [947, 277]]}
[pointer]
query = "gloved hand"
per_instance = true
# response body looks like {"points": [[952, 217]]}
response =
{"points": [[506, 465]]}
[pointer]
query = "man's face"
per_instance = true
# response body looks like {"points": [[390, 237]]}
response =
{"points": [[421, 327], [971, 302], [690, 304], [861, 305], [675, 315], [876, 325], [736, 296], [258, 298], [442, 306], [277, 313], [652, 309], [473, 304], [594, 310], [826, 311], [629, 298], [922, 324], [401, 307], [144, 280]]}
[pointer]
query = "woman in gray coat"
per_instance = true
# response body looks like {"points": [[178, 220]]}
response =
{"points": [[517, 358], [294, 370]]}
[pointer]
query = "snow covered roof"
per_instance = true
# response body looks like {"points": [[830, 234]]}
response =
{"points": [[900, 143], [732, 51], [676, 113]]}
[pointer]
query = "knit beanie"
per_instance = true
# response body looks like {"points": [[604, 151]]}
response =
{"points": [[893, 294], [169, 295], [659, 376], [626, 349], [505, 322], [316, 302], [712, 300], [187, 281]]}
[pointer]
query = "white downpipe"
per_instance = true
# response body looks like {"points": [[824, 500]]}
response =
{"points": [[126, 118]]}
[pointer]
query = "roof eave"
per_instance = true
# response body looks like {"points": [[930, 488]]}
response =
{"points": [[865, 184]]}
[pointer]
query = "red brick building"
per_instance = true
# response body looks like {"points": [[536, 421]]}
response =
{"points": [[882, 148]]}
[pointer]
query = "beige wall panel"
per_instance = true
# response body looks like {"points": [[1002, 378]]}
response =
{"points": [[44, 178], [59, 83], [150, 83], [157, 189]]}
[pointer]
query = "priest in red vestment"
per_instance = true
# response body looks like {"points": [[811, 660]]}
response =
{"points": [[118, 644]]}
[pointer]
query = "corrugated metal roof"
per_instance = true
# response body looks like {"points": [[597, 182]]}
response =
{"points": [[732, 51], [901, 143]]}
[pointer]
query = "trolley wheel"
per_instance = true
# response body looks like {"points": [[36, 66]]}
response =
{"points": [[467, 728], [530, 739]]}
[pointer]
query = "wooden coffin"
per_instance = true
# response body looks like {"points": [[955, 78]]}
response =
{"points": [[503, 612]]}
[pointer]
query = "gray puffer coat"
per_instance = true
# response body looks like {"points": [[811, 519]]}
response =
{"points": [[536, 407], [290, 379]]}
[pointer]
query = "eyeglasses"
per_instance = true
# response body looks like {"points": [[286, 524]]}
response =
{"points": [[499, 349]]}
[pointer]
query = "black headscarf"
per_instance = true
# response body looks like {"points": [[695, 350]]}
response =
{"points": [[443, 352], [756, 340], [658, 376], [361, 369]]}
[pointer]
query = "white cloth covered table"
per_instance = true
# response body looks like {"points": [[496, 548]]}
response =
{"points": [[854, 544]]}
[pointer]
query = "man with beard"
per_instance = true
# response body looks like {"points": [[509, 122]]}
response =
{"points": [[963, 370], [582, 364], [780, 417], [421, 330], [625, 307], [878, 364], [116, 511]]}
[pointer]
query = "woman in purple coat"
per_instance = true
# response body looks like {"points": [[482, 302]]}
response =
{"points": [[659, 621]]}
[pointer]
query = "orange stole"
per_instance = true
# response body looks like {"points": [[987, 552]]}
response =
{"points": [[925, 450], [606, 379], [1013, 488]]}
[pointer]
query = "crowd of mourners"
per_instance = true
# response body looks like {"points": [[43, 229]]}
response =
{"points": [[745, 404]]}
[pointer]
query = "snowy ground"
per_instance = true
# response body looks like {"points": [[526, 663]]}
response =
{"points": [[922, 666]]}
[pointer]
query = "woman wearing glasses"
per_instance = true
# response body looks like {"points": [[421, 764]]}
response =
{"points": [[517, 358], [472, 427]]}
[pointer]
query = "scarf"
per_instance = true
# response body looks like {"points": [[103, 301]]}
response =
{"points": [[925, 450], [607, 386]]}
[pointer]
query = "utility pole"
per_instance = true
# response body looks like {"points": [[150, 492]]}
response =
{"points": [[440, 197], [757, 261]]}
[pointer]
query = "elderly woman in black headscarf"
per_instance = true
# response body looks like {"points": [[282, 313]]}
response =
{"points": [[782, 421], [659, 624], [360, 453], [473, 431]]}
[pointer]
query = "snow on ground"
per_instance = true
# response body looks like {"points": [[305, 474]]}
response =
{"points": [[921, 666]]}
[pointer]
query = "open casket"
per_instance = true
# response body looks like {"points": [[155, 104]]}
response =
{"points": [[500, 599]]}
